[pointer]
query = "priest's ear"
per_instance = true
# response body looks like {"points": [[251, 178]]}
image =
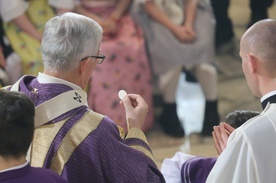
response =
{"points": [[253, 63], [84, 64]]}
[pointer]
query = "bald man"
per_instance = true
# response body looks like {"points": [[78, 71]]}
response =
{"points": [[250, 152]]}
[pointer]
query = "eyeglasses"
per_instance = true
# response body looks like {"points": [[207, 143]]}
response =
{"points": [[99, 58]]}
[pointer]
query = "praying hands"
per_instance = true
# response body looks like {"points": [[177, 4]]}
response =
{"points": [[221, 134]]}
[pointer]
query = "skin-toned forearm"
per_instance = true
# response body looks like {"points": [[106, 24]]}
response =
{"points": [[26, 25], [158, 15], [190, 7], [121, 7]]}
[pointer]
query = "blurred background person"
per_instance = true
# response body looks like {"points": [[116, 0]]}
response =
{"points": [[180, 35], [11, 63], [259, 10], [23, 25], [3, 76], [225, 36], [224, 32]]}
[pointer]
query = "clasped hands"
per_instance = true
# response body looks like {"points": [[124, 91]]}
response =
{"points": [[221, 134], [184, 33]]}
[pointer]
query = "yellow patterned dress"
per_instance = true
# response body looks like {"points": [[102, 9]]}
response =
{"points": [[28, 48]]}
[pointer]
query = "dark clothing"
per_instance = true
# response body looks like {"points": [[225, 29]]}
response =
{"points": [[259, 10], [30, 174], [224, 28], [7, 50]]}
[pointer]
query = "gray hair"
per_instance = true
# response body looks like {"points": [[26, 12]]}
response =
{"points": [[68, 38]]}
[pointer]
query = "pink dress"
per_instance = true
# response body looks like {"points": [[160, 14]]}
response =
{"points": [[125, 67]]}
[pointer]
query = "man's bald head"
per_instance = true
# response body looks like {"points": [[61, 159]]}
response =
{"points": [[260, 41]]}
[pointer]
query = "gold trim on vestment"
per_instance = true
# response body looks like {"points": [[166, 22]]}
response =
{"points": [[137, 134], [122, 132], [143, 150], [74, 138], [69, 100], [43, 137]]}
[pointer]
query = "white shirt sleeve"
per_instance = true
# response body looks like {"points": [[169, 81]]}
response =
{"points": [[11, 9], [64, 4], [236, 163]]}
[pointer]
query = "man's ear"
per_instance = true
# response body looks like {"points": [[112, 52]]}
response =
{"points": [[83, 66], [252, 63]]}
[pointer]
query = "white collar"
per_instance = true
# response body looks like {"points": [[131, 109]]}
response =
{"points": [[44, 78], [15, 167], [269, 94]]}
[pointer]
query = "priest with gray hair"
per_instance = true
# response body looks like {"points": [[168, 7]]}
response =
{"points": [[79, 144]]}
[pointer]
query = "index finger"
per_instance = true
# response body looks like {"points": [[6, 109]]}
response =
{"points": [[126, 101], [216, 143], [219, 138], [224, 133]]}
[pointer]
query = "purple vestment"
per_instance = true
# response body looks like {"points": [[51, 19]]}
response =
{"points": [[30, 174], [100, 156], [197, 169]]}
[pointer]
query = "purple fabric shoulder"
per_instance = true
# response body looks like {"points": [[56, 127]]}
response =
{"points": [[40, 93], [29, 174], [109, 159], [197, 169]]}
